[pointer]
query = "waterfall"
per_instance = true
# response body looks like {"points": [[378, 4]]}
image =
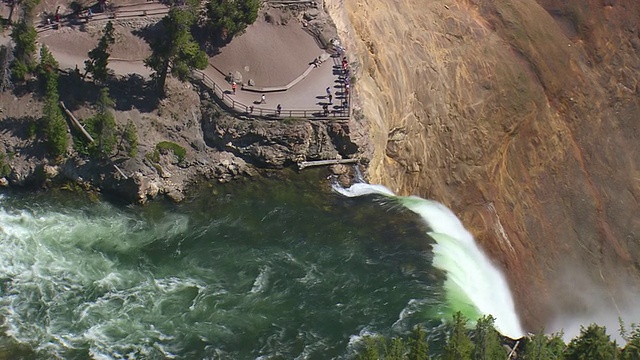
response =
{"points": [[474, 286]]}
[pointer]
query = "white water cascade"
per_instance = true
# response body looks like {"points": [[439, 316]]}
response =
{"points": [[474, 286]]}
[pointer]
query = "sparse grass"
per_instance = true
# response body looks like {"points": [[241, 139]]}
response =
{"points": [[5, 169], [165, 146], [291, 120]]}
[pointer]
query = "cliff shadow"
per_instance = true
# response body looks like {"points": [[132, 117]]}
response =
{"points": [[128, 92], [24, 132]]}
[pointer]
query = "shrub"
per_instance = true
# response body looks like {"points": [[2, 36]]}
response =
{"points": [[165, 146], [5, 168], [130, 139]]}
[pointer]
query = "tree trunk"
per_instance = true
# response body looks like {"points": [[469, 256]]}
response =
{"points": [[162, 78], [13, 5]]}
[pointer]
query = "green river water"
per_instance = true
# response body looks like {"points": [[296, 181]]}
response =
{"points": [[266, 269]]}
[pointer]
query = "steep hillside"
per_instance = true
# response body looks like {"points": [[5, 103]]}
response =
{"points": [[522, 117]]}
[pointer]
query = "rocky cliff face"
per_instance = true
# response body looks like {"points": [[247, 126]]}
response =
{"points": [[522, 116]]}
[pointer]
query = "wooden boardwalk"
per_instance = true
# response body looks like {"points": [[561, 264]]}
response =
{"points": [[230, 104]]}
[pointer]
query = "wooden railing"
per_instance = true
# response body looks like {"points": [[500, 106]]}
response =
{"points": [[250, 110]]}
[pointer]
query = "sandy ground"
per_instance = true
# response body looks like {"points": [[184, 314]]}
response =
{"points": [[271, 55]]}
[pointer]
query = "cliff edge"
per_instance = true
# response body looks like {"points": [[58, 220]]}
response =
{"points": [[522, 117]]}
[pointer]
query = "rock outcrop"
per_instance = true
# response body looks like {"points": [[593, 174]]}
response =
{"points": [[278, 143], [522, 117]]}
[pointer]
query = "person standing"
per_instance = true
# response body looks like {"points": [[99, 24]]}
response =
{"points": [[263, 99], [328, 90], [278, 109], [234, 87]]}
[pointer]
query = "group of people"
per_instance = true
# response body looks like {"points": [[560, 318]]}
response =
{"points": [[325, 106], [345, 81]]}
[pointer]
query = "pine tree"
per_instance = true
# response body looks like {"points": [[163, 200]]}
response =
{"points": [[24, 37], [544, 347], [102, 127], [227, 19], [631, 350], [459, 345], [487, 340], [55, 126], [175, 51], [98, 60], [395, 350], [418, 345], [130, 139], [371, 349], [48, 66], [592, 343]]}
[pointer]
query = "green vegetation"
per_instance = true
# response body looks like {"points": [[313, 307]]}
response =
{"points": [[487, 340], [102, 127], [130, 139], [459, 345], [632, 350], [24, 37], [176, 49], [226, 19], [47, 67], [55, 126], [98, 60], [165, 146], [540, 346], [484, 343], [593, 343], [5, 168]]}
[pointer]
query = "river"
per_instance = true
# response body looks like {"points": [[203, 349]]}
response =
{"points": [[269, 268]]}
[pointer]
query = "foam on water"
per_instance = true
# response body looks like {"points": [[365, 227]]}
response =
{"points": [[474, 286], [102, 282], [65, 287]]}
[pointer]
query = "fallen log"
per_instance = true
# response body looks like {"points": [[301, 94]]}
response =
{"points": [[76, 123]]}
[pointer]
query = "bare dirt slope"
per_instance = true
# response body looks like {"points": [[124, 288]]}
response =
{"points": [[522, 117]]}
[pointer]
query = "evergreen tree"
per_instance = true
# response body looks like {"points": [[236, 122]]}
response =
{"points": [[24, 37], [396, 350], [459, 345], [102, 127], [487, 340], [418, 345], [371, 348], [228, 18], [130, 139], [543, 347], [175, 50], [48, 66], [631, 350], [55, 126], [99, 56], [592, 343]]}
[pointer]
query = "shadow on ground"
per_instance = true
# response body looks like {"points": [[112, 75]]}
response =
{"points": [[128, 92]]}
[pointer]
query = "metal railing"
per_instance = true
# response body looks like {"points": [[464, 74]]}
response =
{"points": [[250, 110]]}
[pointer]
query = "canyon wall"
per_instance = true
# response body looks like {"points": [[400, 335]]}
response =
{"points": [[522, 116]]}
